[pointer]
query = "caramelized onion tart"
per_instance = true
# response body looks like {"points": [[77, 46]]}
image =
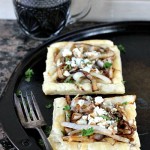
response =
{"points": [[84, 67], [94, 123]]}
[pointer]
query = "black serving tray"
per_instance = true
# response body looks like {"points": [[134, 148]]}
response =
{"points": [[134, 36]]}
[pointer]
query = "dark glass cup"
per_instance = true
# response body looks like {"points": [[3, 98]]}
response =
{"points": [[43, 19]]}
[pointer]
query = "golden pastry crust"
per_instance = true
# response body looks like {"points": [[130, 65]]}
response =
{"points": [[51, 86], [56, 134]]}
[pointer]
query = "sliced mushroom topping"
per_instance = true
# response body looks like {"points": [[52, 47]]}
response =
{"points": [[68, 99], [76, 116], [60, 72], [76, 138], [90, 47], [93, 81], [68, 130], [74, 132]]}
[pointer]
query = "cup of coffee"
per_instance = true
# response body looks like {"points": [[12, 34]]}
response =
{"points": [[43, 19]]}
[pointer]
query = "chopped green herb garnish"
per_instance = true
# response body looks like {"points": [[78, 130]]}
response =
{"points": [[41, 143], [66, 59], [89, 63], [68, 115], [87, 132], [69, 80], [117, 119], [121, 48], [63, 132], [67, 107], [67, 67], [18, 92], [123, 81], [105, 117], [48, 106], [124, 103], [107, 64], [28, 75], [47, 130]]}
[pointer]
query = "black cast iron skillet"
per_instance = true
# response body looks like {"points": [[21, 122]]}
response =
{"points": [[134, 36]]}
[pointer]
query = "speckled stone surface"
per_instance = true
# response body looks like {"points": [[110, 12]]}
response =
{"points": [[14, 45]]}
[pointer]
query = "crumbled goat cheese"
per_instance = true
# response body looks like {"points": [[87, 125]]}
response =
{"points": [[91, 54], [81, 102], [81, 121], [66, 73], [109, 122], [77, 76], [116, 129], [110, 128], [99, 124], [86, 69], [86, 61], [79, 61], [91, 121], [99, 111], [77, 52], [114, 109], [85, 117], [66, 52], [68, 62], [89, 98], [98, 119], [98, 100]]}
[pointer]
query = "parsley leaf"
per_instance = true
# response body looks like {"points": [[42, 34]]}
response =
{"points": [[67, 67], [123, 81], [47, 130], [66, 59], [67, 107], [121, 48], [18, 92], [124, 103], [87, 132], [105, 117], [41, 143], [69, 80], [48, 106], [107, 64], [68, 115], [28, 75], [117, 119]]}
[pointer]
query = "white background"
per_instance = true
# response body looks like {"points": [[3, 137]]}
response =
{"points": [[102, 10]]}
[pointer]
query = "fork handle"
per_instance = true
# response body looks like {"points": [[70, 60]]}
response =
{"points": [[44, 138]]}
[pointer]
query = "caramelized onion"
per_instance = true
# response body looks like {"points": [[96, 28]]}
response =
{"points": [[102, 77], [98, 130]]}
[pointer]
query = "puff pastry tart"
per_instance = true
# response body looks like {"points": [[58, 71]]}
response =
{"points": [[84, 67], [94, 123]]}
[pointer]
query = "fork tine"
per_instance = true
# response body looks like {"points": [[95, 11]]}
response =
{"points": [[25, 107], [31, 107], [36, 107], [19, 109]]}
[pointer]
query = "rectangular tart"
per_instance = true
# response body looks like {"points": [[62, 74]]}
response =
{"points": [[84, 67], [94, 123]]}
